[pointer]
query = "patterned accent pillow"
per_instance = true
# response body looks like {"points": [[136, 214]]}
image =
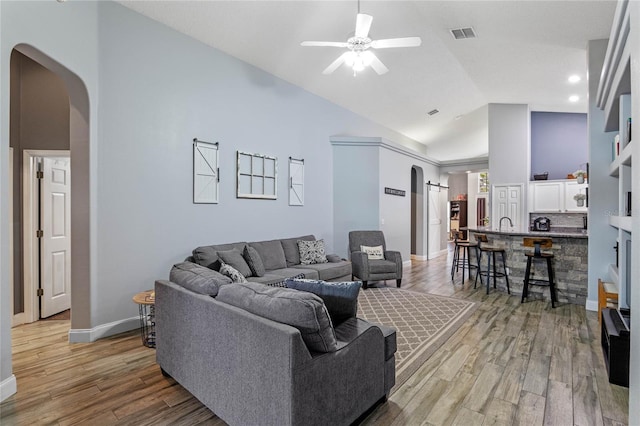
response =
{"points": [[312, 252], [254, 261], [373, 253], [232, 273]]}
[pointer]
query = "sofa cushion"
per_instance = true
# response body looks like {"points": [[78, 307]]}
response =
{"points": [[269, 278], [291, 250], [340, 298], [271, 253], [373, 253], [234, 259], [329, 271], [254, 261], [232, 273], [312, 252], [299, 309], [197, 278], [334, 258], [296, 273], [208, 255]]}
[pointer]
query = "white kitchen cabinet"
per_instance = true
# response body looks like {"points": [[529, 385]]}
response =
{"points": [[547, 196], [555, 196], [572, 188]]}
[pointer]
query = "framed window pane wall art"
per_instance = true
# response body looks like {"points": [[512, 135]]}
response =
{"points": [[257, 176]]}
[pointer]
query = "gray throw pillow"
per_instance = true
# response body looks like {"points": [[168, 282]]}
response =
{"points": [[197, 278], [254, 261], [234, 259], [340, 298], [299, 309], [312, 252], [232, 273]]}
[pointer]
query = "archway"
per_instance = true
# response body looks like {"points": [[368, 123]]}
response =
{"points": [[80, 185], [417, 213]]}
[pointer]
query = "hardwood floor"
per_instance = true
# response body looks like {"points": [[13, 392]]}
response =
{"points": [[510, 363]]}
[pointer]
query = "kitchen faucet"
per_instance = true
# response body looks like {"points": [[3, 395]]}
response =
{"points": [[500, 223]]}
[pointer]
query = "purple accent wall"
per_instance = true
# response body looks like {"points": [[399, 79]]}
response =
{"points": [[558, 143]]}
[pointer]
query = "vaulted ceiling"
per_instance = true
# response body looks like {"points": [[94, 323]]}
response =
{"points": [[524, 53]]}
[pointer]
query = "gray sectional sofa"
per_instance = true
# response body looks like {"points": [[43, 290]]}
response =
{"points": [[281, 259], [245, 353]]}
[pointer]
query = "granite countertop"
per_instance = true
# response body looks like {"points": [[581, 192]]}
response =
{"points": [[558, 232]]}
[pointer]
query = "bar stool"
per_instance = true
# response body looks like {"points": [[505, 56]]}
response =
{"points": [[465, 263], [491, 256], [538, 244]]}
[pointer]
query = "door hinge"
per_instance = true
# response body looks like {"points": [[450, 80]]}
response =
{"points": [[39, 233], [39, 174], [40, 292]]}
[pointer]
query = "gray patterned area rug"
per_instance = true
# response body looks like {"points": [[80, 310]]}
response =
{"points": [[423, 322]]}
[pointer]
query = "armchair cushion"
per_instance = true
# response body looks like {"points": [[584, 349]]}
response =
{"points": [[299, 309], [381, 266], [340, 298]]}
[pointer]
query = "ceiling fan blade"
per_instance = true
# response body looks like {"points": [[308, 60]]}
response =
{"points": [[324, 43], [335, 64], [397, 42], [377, 64], [363, 24]]}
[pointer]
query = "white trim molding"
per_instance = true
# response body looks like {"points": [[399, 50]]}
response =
{"points": [[406, 264], [8, 387], [437, 254], [88, 335], [382, 143], [419, 257], [591, 305]]}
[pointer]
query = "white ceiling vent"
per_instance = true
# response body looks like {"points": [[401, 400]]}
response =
{"points": [[433, 112], [462, 33]]}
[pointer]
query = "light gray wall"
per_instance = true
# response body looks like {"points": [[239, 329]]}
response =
{"points": [[359, 198]]}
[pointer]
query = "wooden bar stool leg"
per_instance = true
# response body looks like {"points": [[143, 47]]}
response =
{"points": [[504, 267], [525, 289]]}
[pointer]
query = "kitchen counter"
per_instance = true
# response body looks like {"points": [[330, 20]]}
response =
{"points": [[558, 232], [569, 264]]}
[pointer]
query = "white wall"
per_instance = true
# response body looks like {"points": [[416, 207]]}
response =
{"points": [[151, 91]]}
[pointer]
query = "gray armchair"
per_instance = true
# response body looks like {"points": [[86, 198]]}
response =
{"points": [[389, 268]]}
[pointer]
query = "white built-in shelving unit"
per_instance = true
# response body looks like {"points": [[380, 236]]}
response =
{"points": [[614, 98], [618, 95]]}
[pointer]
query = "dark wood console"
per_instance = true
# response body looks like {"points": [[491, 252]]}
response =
{"points": [[615, 347]]}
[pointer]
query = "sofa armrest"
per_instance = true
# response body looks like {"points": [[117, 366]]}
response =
{"points": [[360, 265], [334, 258], [396, 257], [348, 381]]}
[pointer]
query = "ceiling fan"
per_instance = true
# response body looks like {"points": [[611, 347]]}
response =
{"points": [[359, 56]]}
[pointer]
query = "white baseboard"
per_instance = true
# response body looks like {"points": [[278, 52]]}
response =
{"points": [[419, 257], [8, 387], [18, 319], [437, 254], [591, 305], [88, 335], [406, 263]]}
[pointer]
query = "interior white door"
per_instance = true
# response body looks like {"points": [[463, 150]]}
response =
{"points": [[55, 223], [434, 218], [507, 202]]}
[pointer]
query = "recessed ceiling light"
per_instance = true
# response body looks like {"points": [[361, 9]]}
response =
{"points": [[574, 98], [574, 78]]}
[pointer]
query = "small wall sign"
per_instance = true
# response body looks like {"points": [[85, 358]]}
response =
{"points": [[391, 191]]}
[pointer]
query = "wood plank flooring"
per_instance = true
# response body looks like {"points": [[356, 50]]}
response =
{"points": [[509, 364]]}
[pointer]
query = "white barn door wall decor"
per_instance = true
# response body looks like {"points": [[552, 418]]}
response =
{"points": [[206, 179], [296, 182]]}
